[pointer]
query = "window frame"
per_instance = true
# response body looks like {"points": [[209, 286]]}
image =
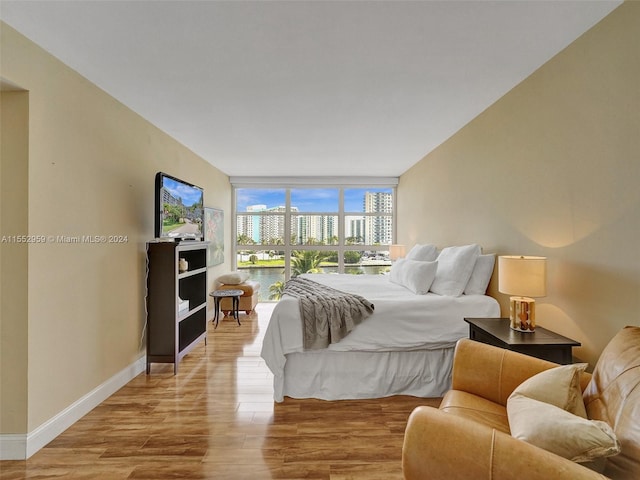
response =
{"points": [[298, 183]]}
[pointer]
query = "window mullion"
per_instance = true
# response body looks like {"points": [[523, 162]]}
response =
{"points": [[287, 235], [341, 232]]}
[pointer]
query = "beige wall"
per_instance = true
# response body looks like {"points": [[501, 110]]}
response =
{"points": [[553, 169], [91, 168], [14, 151]]}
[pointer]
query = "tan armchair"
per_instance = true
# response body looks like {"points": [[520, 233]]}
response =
{"points": [[468, 437]]}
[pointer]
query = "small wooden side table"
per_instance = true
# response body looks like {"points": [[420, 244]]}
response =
{"points": [[235, 296], [541, 343]]}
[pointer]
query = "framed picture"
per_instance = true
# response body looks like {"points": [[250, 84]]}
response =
{"points": [[214, 233]]}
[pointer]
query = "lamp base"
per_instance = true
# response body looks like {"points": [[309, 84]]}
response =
{"points": [[522, 314]]}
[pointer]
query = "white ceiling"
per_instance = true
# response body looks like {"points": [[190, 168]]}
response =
{"points": [[307, 88]]}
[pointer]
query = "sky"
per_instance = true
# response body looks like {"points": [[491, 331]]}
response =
{"points": [[307, 199], [189, 194]]}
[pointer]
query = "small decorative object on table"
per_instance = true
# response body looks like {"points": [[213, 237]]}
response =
{"points": [[523, 277], [183, 265]]}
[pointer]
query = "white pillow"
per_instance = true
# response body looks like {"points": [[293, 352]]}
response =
{"points": [[455, 265], [425, 253], [560, 432], [395, 274], [481, 275], [559, 386], [547, 410], [233, 278], [415, 275]]}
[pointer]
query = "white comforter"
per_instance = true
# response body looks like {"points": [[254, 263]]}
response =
{"points": [[401, 321]]}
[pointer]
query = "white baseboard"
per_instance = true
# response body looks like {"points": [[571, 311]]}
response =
{"points": [[23, 446], [13, 446]]}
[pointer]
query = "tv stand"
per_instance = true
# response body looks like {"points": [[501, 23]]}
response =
{"points": [[173, 328]]}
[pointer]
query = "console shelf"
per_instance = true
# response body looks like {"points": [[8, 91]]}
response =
{"points": [[171, 332]]}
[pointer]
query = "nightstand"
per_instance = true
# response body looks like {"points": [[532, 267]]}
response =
{"points": [[541, 343]]}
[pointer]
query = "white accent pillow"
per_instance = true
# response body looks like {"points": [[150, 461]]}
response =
{"points": [[559, 386], [424, 253], [415, 275], [560, 432], [455, 265], [233, 278], [395, 273], [481, 275], [547, 411]]}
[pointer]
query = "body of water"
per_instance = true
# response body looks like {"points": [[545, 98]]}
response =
{"points": [[270, 275]]}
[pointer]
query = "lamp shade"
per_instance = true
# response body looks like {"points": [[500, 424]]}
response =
{"points": [[522, 276], [396, 251]]}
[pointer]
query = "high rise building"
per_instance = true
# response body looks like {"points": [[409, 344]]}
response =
{"points": [[264, 228], [267, 226], [319, 228], [378, 228]]}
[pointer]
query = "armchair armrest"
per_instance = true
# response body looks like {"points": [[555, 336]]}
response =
{"points": [[440, 445], [493, 373]]}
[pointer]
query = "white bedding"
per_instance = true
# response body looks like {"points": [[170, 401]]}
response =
{"points": [[402, 321]]}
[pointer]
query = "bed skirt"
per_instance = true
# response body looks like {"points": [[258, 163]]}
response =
{"points": [[335, 375]]}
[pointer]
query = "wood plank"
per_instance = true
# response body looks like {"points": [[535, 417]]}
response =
{"points": [[217, 419]]}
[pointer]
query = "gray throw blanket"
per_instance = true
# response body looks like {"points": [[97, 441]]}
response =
{"points": [[328, 315]]}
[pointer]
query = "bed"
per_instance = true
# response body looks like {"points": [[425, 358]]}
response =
{"points": [[405, 347]]}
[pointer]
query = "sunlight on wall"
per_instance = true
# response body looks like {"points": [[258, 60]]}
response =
{"points": [[556, 208]]}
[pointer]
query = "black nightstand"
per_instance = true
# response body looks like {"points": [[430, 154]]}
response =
{"points": [[541, 343]]}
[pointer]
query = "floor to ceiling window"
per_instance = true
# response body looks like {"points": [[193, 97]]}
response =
{"points": [[284, 231]]}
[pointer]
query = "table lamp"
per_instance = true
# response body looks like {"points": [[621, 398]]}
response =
{"points": [[396, 251], [522, 277]]}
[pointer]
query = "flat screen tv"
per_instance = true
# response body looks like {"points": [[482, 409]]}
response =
{"points": [[179, 209]]}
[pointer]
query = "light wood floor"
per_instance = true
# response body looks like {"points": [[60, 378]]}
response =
{"points": [[217, 420]]}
